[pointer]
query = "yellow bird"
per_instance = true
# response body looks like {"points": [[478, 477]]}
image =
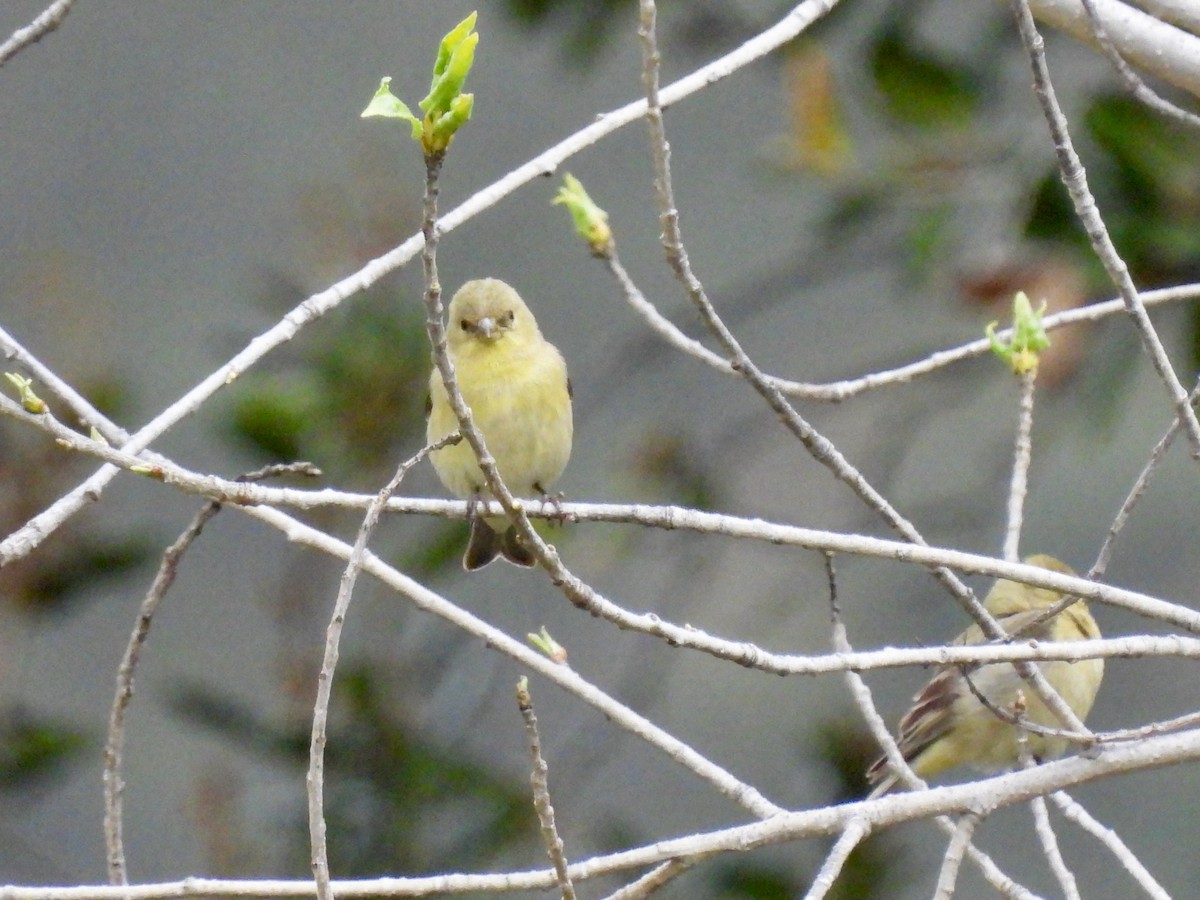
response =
{"points": [[515, 382], [948, 725]]}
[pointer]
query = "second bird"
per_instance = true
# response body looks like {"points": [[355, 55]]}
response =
{"points": [[515, 382], [949, 725]]}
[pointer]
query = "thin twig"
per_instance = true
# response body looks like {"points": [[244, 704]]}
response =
{"points": [[654, 880], [315, 779], [1070, 808], [960, 840], [861, 693], [1016, 717], [1166, 726], [1022, 457], [817, 444], [1075, 178], [1045, 832], [539, 782], [855, 832], [837, 391], [435, 327], [114, 785], [1100, 566]]}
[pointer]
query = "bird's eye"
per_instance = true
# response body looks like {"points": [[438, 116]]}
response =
{"points": [[465, 325], [508, 318]]}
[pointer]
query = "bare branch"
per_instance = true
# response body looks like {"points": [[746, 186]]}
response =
{"points": [[47, 21], [1046, 836], [114, 786], [1100, 566]]}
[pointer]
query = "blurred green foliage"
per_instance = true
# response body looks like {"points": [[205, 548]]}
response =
{"points": [[586, 27], [1147, 185], [918, 87], [91, 562], [33, 748], [1143, 173], [749, 881], [668, 465], [351, 400]]}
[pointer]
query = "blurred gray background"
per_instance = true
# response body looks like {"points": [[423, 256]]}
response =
{"points": [[176, 175]]}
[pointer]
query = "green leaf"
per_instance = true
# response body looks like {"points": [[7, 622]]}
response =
{"points": [[448, 83], [451, 42], [389, 106], [545, 643], [446, 107]]}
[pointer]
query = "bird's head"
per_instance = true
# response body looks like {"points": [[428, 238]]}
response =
{"points": [[487, 310], [1007, 597]]}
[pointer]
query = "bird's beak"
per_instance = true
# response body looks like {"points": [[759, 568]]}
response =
{"points": [[486, 328]]}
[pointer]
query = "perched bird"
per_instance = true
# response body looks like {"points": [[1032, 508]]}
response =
{"points": [[515, 382], [948, 725]]}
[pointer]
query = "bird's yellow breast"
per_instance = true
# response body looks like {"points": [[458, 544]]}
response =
{"points": [[517, 390]]}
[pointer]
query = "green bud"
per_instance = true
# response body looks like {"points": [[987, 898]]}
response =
{"points": [[548, 645], [30, 401], [446, 107], [441, 132], [591, 222], [1028, 336]]}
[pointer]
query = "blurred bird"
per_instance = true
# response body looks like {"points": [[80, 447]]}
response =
{"points": [[948, 725], [515, 382]]}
